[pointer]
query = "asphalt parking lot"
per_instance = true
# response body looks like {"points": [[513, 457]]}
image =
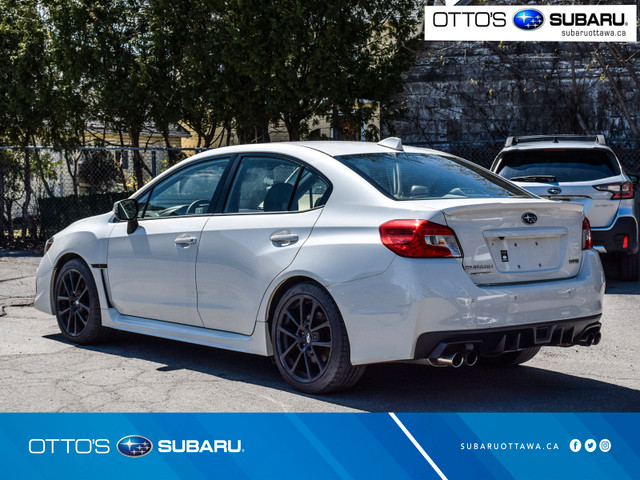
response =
{"points": [[40, 372]]}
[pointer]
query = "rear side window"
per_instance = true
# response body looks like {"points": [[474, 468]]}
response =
{"points": [[271, 184], [415, 176], [565, 165]]}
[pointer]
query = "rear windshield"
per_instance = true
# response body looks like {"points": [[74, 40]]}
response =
{"points": [[414, 176], [572, 165]]}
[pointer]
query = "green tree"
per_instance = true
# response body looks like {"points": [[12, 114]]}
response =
{"points": [[11, 189], [26, 87], [74, 105], [291, 60], [104, 44]]}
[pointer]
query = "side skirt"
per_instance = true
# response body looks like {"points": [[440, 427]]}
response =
{"points": [[257, 343]]}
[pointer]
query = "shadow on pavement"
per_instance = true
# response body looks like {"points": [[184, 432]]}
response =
{"points": [[19, 253], [397, 387]]}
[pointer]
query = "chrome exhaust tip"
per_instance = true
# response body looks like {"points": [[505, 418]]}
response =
{"points": [[596, 338], [454, 360], [471, 359]]}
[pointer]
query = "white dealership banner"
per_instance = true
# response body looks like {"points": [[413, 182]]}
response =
{"points": [[535, 23]]}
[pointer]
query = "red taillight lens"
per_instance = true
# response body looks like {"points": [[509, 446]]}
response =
{"points": [[619, 190], [419, 239], [587, 243]]}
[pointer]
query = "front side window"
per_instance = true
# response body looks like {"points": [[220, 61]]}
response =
{"points": [[187, 192], [270, 184], [418, 176]]}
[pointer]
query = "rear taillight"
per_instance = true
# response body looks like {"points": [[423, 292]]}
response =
{"points": [[419, 239], [587, 243], [619, 190]]}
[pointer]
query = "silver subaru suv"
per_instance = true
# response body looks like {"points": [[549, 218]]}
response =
{"points": [[573, 168]]}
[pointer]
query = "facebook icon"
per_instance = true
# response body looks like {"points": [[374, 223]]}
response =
{"points": [[575, 445]]}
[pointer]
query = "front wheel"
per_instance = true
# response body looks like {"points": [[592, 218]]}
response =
{"points": [[510, 359], [310, 342], [77, 304]]}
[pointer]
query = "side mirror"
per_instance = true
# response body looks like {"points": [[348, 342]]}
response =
{"points": [[127, 210], [634, 179]]}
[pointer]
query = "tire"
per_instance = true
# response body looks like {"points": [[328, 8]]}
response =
{"points": [[310, 343], [628, 265], [77, 305], [510, 359]]}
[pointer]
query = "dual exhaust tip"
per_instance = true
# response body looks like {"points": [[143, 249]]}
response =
{"points": [[590, 338], [465, 353], [456, 359]]}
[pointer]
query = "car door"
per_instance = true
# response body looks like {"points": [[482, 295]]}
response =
{"points": [[152, 270], [270, 210]]}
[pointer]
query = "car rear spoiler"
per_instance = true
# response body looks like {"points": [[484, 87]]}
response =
{"points": [[599, 139]]}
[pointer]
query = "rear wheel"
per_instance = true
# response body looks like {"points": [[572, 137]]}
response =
{"points": [[310, 343], [77, 304], [510, 359], [628, 267]]}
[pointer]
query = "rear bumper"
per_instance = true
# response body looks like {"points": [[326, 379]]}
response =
{"points": [[611, 240], [495, 341], [386, 315]]}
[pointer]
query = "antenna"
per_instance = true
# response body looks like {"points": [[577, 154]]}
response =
{"points": [[392, 142]]}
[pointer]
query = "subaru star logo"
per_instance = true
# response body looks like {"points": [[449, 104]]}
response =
{"points": [[528, 19], [134, 446], [529, 218], [554, 190]]}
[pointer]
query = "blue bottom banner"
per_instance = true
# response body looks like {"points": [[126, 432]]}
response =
{"points": [[323, 446]]}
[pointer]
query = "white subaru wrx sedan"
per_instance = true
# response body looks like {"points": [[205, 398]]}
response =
{"points": [[330, 256]]}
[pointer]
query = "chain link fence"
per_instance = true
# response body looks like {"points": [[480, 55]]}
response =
{"points": [[65, 186], [43, 189]]}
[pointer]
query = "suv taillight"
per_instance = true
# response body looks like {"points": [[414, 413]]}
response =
{"points": [[619, 190], [587, 242], [419, 239]]}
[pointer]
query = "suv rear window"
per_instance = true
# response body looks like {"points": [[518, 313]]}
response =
{"points": [[415, 176], [566, 165]]}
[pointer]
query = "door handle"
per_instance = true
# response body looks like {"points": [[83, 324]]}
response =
{"points": [[185, 240], [283, 238]]}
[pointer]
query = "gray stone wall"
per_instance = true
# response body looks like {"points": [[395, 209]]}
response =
{"points": [[472, 91]]}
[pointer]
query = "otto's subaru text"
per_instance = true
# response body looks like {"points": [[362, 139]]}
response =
{"points": [[330, 256]]}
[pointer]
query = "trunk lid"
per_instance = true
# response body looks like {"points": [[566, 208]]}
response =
{"points": [[599, 208], [518, 240]]}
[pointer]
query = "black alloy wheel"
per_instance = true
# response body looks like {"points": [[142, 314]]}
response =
{"points": [[304, 338], [77, 304], [310, 342]]}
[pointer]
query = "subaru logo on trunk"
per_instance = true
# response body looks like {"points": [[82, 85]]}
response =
{"points": [[529, 218], [554, 190]]}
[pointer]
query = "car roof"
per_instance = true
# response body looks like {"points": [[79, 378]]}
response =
{"points": [[339, 147], [332, 148]]}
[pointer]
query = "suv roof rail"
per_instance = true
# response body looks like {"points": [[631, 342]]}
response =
{"points": [[599, 139]]}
